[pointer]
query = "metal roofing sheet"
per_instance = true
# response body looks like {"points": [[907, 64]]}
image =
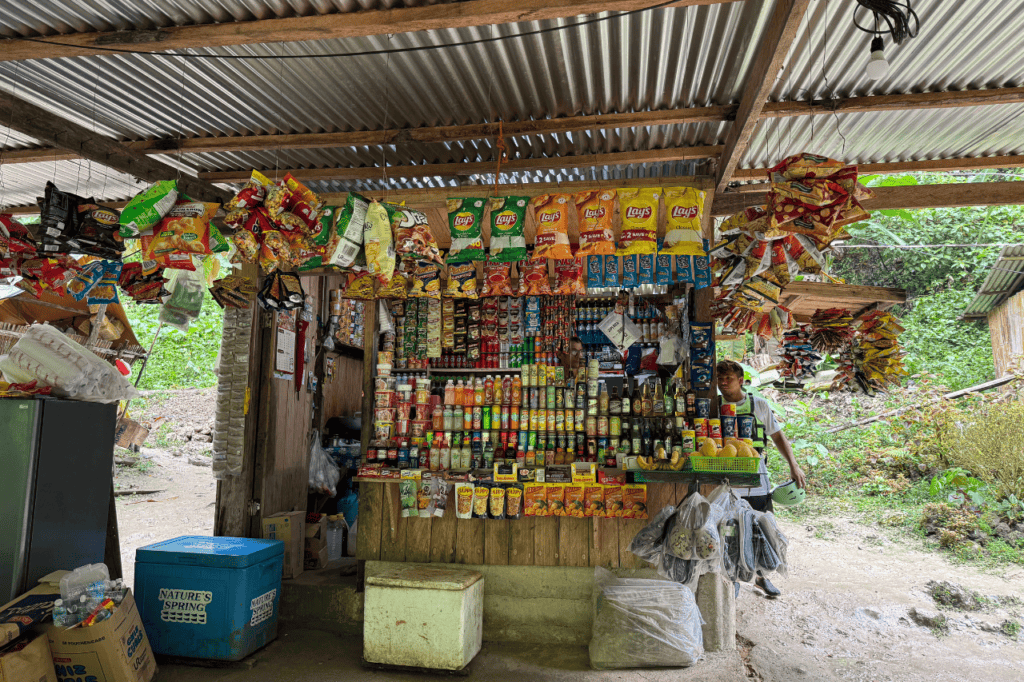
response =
{"points": [[1004, 280], [22, 183]]}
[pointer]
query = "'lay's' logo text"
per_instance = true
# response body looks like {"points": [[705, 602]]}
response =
{"points": [[464, 220], [592, 214], [550, 216], [684, 212], [639, 212], [505, 220]]}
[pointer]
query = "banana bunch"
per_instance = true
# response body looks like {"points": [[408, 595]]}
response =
{"points": [[661, 461]]}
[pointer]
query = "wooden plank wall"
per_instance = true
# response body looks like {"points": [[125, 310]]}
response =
{"points": [[530, 541], [342, 396], [1006, 325]]}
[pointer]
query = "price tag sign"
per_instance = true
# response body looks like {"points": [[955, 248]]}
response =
{"points": [[621, 330]]}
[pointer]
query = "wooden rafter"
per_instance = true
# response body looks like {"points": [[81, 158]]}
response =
{"points": [[913, 196], [321, 27], [477, 167], [29, 119], [778, 38]]}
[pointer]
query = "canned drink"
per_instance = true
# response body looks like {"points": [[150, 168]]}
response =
{"points": [[688, 440], [703, 406], [715, 427], [551, 391], [581, 416], [745, 426], [602, 426], [591, 426], [728, 426], [559, 398], [615, 426], [727, 410], [551, 420], [593, 369], [702, 427], [535, 417], [559, 421], [570, 423], [485, 421]]}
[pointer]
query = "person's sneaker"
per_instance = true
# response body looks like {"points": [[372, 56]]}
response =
{"points": [[770, 590]]}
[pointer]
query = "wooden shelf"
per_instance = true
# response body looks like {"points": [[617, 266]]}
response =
{"points": [[472, 370]]}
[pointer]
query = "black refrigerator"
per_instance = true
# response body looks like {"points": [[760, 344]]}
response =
{"points": [[55, 478]]}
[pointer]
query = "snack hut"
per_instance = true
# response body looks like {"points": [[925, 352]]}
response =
{"points": [[437, 210]]}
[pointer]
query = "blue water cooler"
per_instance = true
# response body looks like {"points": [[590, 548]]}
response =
{"points": [[209, 597]]}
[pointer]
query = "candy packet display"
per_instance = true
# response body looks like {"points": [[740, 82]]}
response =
{"points": [[465, 221], [684, 207], [282, 291], [350, 224], [234, 291], [147, 208], [380, 249], [551, 212], [594, 209], [639, 211], [461, 281], [144, 286], [508, 222]]}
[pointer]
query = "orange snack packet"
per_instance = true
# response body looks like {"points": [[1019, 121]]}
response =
{"points": [[595, 209], [613, 501], [634, 502], [593, 501], [574, 501], [551, 212], [555, 494], [535, 499], [533, 277]]}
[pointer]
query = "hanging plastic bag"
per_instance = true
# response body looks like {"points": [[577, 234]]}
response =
{"points": [[643, 624], [648, 544], [186, 302], [323, 473]]}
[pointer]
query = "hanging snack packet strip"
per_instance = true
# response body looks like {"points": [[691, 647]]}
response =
{"points": [[350, 225], [465, 220], [684, 207], [461, 281], [508, 221], [639, 210], [551, 212], [595, 209], [498, 279]]}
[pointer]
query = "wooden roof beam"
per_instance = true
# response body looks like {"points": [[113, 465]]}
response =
{"points": [[476, 167], [29, 119], [775, 44], [912, 196], [320, 27]]}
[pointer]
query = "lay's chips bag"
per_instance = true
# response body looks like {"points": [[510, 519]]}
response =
{"points": [[684, 207], [551, 212], [595, 209], [508, 220], [465, 219], [639, 211]]}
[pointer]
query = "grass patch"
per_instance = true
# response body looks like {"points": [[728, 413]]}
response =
{"points": [[162, 437], [1011, 629]]}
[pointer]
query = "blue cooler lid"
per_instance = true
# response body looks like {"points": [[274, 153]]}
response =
{"points": [[213, 552]]}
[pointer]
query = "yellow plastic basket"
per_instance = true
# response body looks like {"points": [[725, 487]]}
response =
{"points": [[745, 465]]}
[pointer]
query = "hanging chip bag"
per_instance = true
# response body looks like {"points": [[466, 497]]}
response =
{"points": [[184, 232], [426, 281], [551, 212], [639, 211], [465, 219], [380, 249], [462, 281], [684, 207], [594, 209], [508, 220], [350, 225], [148, 208], [498, 279], [567, 277], [412, 234], [533, 277]]}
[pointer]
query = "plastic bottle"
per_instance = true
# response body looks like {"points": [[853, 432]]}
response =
{"points": [[498, 392], [478, 392], [449, 393], [488, 391], [457, 392], [445, 462], [60, 614]]}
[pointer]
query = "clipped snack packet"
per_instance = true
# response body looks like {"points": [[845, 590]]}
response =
{"points": [[498, 279], [380, 249], [595, 272], [533, 277], [304, 203], [555, 494], [323, 242], [358, 285], [461, 281], [426, 281], [497, 505], [535, 502], [639, 211], [684, 207], [551, 212], [630, 276], [412, 234], [514, 501], [595, 209], [645, 268], [398, 287], [567, 277], [465, 220], [350, 224], [184, 232], [252, 195], [663, 269], [508, 221], [481, 500], [464, 500], [611, 271], [147, 208]]}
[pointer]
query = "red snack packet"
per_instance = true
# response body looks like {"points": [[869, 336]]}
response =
{"points": [[567, 277], [533, 277], [498, 279]]}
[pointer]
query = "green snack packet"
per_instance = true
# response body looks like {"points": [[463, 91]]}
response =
{"points": [[324, 242], [465, 217], [148, 208], [351, 220], [218, 244], [508, 220]]}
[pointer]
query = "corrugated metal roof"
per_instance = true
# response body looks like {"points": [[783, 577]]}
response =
{"points": [[21, 184], [1005, 279]]}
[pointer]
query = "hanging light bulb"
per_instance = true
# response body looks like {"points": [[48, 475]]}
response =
{"points": [[877, 67]]}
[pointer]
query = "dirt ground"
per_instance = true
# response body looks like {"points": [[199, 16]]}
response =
{"points": [[848, 606]]}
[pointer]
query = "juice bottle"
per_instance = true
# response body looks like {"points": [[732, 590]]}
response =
{"points": [[488, 390], [449, 393], [517, 390], [478, 392], [506, 390], [458, 393], [499, 392]]}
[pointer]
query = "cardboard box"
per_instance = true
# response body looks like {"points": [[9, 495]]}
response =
{"points": [[27, 660], [316, 544], [129, 432], [114, 650], [29, 609], [289, 528]]}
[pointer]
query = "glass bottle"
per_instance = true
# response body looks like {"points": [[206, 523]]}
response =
{"points": [[602, 398], [658, 406], [625, 411], [646, 400], [670, 399], [615, 402]]}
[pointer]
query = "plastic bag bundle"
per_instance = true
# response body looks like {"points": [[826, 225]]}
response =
{"points": [[232, 379], [323, 472], [643, 624], [769, 545], [46, 355], [186, 300], [648, 543]]}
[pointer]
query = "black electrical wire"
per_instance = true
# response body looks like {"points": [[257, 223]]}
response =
{"points": [[900, 18], [365, 53]]}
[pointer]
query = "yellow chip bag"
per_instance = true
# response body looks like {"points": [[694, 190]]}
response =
{"points": [[380, 247], [462, 281], [639, 210], [426, 281], [684, 207]]}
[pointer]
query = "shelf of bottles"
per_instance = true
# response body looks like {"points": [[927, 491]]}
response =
{"points": [[589, 313], [536, 418]]}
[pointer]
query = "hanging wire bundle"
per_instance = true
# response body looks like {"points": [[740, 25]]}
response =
{"points": [[899, 18]]}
